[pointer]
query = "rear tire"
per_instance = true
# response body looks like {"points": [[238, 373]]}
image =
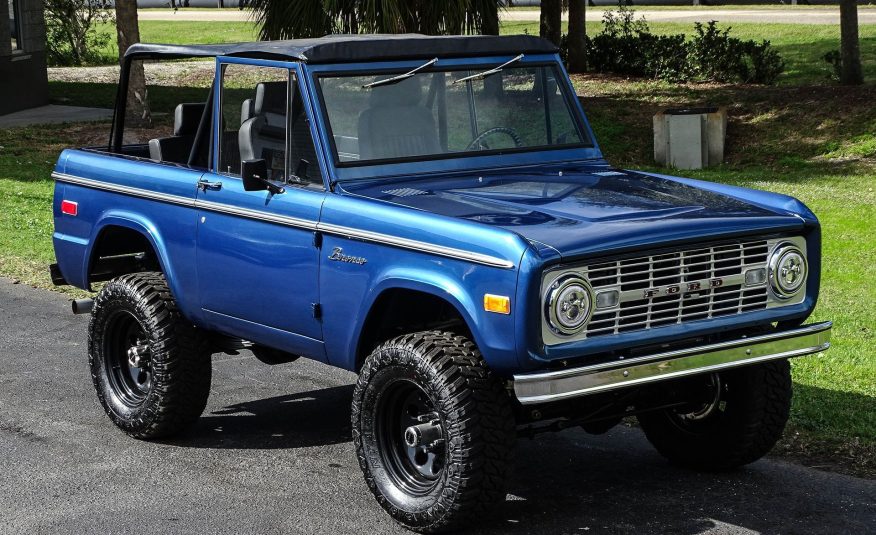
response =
{"points": [[150, 366], [442, 379], [741, 425]]}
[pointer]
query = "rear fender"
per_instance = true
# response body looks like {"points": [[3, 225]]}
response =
{"points": [[142, 224]]}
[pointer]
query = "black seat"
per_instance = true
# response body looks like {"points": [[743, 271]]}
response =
{"points": [[264, 134], [176, 148], [396, 124]]}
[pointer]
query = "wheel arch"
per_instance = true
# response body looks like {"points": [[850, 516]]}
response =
{"points": [[117, 235], [419, 305]]}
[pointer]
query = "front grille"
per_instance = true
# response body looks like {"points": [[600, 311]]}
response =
{"points": [[680, 271]]}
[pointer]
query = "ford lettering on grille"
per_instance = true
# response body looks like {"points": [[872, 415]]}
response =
{"points": [[677, 288], [669, 288]]}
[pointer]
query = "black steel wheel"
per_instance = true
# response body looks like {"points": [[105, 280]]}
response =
{"points": [[127, 358], [150, 367], [410, 437], [736, 420], [433, 430]]}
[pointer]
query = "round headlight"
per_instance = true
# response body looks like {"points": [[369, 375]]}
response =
{"points": [[569, 305], [787, 270]]}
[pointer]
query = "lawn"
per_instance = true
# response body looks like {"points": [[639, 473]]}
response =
{"points": [[803, 138], [172, 32]]}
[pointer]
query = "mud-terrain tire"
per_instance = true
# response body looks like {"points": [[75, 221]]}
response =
{"points": [[169, 390], [748, 419], [443, 375]]}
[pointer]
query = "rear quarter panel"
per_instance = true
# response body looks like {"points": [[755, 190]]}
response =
{"points": [[167, 219]]}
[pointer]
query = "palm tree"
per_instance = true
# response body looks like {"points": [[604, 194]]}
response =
{"points": [[285, 19], [128, 33], [550, 20], [576, 38]]}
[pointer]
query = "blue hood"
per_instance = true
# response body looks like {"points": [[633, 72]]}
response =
{"points": [[581, 211]]}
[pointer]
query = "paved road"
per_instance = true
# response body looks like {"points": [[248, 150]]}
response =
{"points": [[272, 455], [788, 16]]}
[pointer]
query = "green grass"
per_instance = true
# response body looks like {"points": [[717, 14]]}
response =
{"points": [[179, 32]]}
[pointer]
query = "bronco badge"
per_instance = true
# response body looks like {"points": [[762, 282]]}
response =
{"points": [[339, 256]]}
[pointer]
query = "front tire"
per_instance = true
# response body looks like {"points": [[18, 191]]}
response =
{"points": [[738, 426], [433, 430], [150, 366]]}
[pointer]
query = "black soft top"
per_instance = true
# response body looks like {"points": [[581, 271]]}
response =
{"points": [[355, 48]]}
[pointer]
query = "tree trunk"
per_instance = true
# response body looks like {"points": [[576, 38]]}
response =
{"points": [[128, 32], [850, 46], [576, 36], [490, 21], [550, 26]]}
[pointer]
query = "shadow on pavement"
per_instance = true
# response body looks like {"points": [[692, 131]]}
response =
{"points": [[573, 482], [578, 483], [316, 418]]}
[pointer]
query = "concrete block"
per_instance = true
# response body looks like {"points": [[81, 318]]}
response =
{"points": [[690, 138]]}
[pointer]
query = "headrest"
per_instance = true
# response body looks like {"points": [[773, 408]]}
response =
{"points": [[187, 117], [270, 98], [400, 94], [247, 110]]}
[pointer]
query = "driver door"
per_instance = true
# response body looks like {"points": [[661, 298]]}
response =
{"points": [[257, 260]]}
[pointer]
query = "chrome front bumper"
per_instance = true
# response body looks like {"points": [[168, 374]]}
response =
{"points": [[622, 373]]}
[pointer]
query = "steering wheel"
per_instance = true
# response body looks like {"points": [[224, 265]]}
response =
{"points": [[478, 142]]}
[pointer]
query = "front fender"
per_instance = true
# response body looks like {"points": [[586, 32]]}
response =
{"points": [[346, 287], [430, 283]]}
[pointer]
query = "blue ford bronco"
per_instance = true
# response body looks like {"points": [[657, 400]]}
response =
{"points": [[434, 214]]}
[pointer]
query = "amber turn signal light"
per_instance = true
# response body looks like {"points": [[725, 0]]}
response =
{"points": [[499, 304]]}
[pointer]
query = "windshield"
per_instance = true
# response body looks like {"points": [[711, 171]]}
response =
{"points": [[430, 115]]}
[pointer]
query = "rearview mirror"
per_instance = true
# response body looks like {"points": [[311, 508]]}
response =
{"points": [[254, 174]]}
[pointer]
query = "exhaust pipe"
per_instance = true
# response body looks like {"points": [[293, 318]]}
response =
{"points": [[82, 306]]}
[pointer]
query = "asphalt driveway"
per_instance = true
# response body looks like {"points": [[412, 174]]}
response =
{"points": [[272, 454]]}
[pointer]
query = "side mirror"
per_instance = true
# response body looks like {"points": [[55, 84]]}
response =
{"points": [[254, 173]]}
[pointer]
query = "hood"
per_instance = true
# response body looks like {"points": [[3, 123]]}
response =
{"points": [[582, 211]]}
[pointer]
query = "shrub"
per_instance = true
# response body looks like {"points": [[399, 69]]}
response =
{"points": [[835, 59], [766, 63], [71, 34], [715, 56], [627, 46]]}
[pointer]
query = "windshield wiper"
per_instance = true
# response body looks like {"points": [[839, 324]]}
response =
{"points": [[401, 77], [494, 70]]}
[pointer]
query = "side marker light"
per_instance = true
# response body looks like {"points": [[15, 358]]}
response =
{"points": [[499, 304]]}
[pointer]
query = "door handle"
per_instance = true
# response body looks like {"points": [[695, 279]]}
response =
{"points": [[206, 184]]}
